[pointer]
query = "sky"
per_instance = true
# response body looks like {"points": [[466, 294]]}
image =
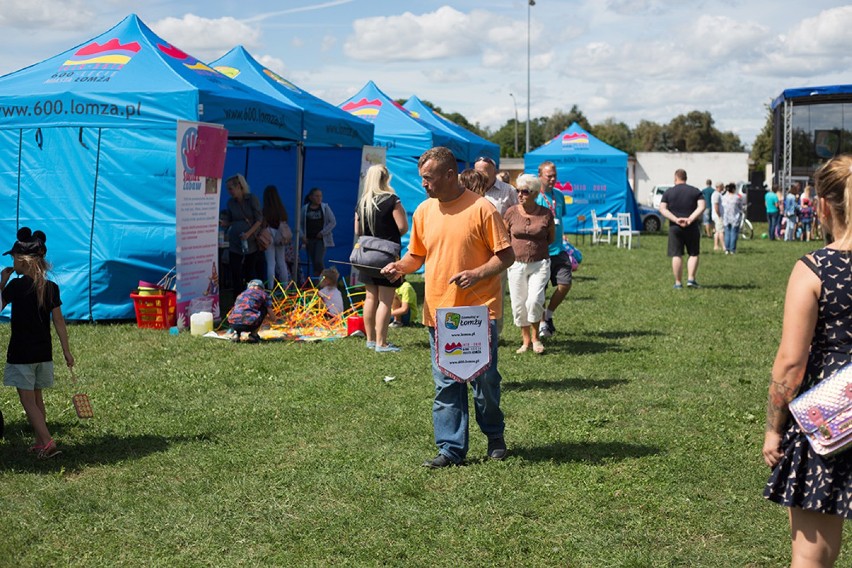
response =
{"points": [[628, 60]]}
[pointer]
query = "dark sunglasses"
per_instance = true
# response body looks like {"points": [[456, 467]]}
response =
{"points": [[487, 160], [524, 191]]}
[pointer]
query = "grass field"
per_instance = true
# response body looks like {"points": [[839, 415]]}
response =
{"points": [[634, 441]]}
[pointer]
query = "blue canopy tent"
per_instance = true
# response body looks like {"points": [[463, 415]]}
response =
{"points": [[333, 141], [590, 173], [88, 154], [405, 137], [476, 145]]}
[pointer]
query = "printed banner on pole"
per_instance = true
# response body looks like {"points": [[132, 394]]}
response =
{"points": [[197, 220], [462, 342]]}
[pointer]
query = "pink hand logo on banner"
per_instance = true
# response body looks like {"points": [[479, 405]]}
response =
{"points": [[190, 151]]}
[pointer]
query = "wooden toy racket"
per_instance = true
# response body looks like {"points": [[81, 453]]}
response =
{"points": [[81, 402]]}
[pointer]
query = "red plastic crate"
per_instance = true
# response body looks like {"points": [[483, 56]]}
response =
{"points": [[156, 312]]}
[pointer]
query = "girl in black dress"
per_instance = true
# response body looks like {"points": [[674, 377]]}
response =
{"points": [[815, 342]]}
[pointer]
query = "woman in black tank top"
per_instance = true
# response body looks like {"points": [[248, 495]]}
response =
{"points": [[379, 214]]}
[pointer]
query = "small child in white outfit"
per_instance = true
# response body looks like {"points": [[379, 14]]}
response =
{"points": [[330, 293]]}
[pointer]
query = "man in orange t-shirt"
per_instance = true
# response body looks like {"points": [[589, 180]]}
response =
{"points": [[464, 244]]}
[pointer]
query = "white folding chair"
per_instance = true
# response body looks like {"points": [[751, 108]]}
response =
{"points": [[598, 231], [625, 231]]}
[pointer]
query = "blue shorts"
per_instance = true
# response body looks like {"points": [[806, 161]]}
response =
{"points": [[29, 376]]}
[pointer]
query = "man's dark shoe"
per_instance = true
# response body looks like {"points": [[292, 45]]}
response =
{"points": [[496, 448], [438, 462]]}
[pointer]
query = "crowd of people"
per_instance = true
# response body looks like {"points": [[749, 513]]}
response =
{"points": [[791, 216], [471, 230]]}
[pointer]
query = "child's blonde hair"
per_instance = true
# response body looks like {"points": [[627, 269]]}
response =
{"points": [[36, 267]]}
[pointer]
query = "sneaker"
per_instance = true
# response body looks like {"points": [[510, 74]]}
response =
{"points": [[692, 284], [550, 327], [49, 451], [371, 345], [235, 336], [396, 324], [253, 337], [496, 448], [438, 462], [389, 348], [544, 329], [678, 286]]}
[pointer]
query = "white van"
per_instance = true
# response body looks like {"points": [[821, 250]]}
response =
{"points": [[657, 194]]}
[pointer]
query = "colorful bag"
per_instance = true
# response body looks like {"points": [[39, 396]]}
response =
{"points": [[574, 254], [824, 413]]}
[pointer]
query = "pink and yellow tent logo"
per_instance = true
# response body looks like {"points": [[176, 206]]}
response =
{"points": [[95, 62], [575, 141], [365, 109], [188, 61], [567, 191]]}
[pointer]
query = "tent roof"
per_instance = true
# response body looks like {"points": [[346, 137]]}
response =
{"points": [[396, 128], [576, 146], [476, 145], [828, 92], [130, 77], [323, 123]]}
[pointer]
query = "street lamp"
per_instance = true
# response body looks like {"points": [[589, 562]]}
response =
{"points": [[515, 104], [529, 7]]}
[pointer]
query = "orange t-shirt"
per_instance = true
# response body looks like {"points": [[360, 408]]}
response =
{"points": [[457, 235]]}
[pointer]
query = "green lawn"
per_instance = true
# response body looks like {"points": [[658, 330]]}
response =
{"points": [[634, 441]]}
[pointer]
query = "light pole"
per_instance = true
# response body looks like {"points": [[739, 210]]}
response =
{"points": [[515, 104], [529, 8]]}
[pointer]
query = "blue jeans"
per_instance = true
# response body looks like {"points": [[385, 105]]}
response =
{"points": [[732, 231], [450, 408], [790, 229], [774, 218], [315, 249]]}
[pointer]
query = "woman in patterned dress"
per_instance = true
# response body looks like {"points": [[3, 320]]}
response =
{"points": [[816, 341]]}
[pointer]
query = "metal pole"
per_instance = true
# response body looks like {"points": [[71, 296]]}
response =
{"points": [[515, 104], [529, 8]]}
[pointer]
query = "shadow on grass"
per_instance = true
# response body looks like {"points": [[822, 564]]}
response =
{"points": [[591, 452], [582, 347], [730, 286], [562, 384], [102, 450], [623, 334]]}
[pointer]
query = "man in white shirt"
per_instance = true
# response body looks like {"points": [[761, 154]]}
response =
{"points": [[501, 194]]}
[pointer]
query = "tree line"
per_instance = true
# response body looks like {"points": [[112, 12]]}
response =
{"points": [[691, 132]]}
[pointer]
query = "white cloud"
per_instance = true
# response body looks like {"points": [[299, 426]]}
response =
{"points": [[50, 14], [814, 47], [409, 37], [297, 42], [723, 38], [824, 34], [205, 37]]}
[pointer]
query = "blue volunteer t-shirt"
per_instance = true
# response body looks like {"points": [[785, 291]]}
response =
{"points": [[556, 203]]}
